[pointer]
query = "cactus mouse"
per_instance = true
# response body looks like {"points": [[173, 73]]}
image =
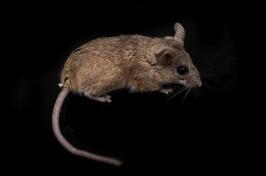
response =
{"points": [[134, 62]]}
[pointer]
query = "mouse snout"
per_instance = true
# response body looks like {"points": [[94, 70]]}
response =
{"points": [[199, 83], [194, 81]]}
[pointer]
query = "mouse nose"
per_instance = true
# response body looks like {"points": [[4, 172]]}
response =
{"points": [[196, 83], [199, 83]]}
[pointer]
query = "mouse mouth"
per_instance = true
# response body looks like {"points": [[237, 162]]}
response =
{"points": [[171, 85]]}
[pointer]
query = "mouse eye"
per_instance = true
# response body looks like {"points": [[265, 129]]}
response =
{"points": [[182, 70]]}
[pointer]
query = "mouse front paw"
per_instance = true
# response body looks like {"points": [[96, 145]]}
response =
{"points": [[166, 91]]}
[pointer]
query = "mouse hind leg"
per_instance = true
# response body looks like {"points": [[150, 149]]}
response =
{"points": [[103, 77], [98, 92]]}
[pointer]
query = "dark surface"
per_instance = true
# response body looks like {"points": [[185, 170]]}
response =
{"points": [[219, 129]]}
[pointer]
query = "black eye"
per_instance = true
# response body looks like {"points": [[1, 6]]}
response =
{"points": [[182, 70]]}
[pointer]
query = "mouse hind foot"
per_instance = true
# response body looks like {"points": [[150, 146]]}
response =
{"points": [[103, 99]]}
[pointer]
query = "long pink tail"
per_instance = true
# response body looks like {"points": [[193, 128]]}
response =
{"points": [[65, 143]]}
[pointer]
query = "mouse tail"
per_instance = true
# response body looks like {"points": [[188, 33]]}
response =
{"points": [[59, 136]]}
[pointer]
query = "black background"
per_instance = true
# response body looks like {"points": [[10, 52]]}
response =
{"points": [[220, 129]]}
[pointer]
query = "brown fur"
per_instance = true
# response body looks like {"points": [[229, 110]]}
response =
{"points": [[111, 63], [135, 62]]}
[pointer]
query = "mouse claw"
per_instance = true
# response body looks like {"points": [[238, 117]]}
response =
{"points": [[166, 91]]}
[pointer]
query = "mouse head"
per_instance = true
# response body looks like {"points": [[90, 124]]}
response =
{"points": [[174, 63]]}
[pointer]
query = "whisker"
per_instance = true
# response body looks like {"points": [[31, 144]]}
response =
{"points": [[207, 86], [218, 54], [218, 65], [208, 75], [194, 91], [177, 93], [197, 93], [185, 96], [215, 73]]}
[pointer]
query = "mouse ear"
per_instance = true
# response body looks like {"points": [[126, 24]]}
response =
{"points": [[165, 56], [179, 32]]}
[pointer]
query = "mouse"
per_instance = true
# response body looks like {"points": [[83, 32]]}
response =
{"points": [[134, 62]]}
